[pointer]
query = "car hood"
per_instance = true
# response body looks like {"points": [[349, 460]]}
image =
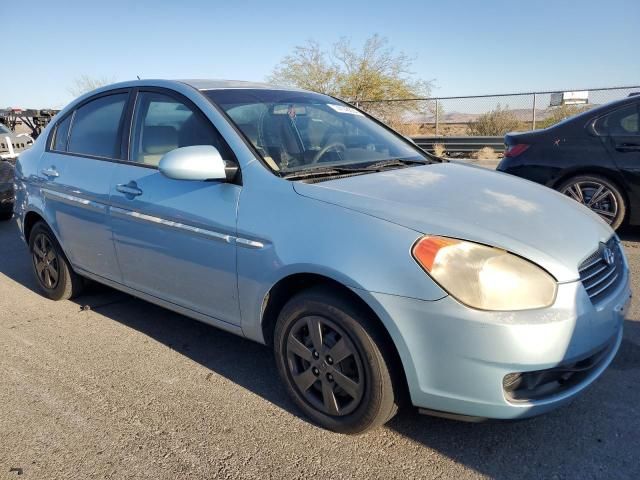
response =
{"points": [[475, 204]]}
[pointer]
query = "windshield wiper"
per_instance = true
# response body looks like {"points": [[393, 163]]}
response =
{"points": [[371, 168], [322, 172], [395, 162]]}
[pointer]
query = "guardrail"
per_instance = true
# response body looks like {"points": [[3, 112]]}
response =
{"points": [[459, 146]]}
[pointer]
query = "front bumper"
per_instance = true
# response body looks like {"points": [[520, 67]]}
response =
{"points": [[456, 358]]}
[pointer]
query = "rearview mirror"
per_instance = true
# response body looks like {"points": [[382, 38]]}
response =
{"points": [[198, 162]]}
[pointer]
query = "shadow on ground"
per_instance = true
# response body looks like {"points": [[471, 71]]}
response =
{"points": [[595, 437]]}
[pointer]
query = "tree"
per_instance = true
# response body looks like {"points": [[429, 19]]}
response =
{"points": [[307, 67], [85, 83], [554, 115], [497, 122], [374, 72]]}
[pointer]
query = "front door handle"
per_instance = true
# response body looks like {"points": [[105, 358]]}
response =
{"points": [[50, 172], [628, 147], [130, 189]]}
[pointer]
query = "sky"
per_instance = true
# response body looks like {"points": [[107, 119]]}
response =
{"points": [[465, 47]]}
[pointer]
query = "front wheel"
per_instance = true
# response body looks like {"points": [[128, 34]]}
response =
{"points": [[598, 194], [329, 357]]}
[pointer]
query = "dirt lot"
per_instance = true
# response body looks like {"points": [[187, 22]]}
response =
{"points": [[128, 390]]}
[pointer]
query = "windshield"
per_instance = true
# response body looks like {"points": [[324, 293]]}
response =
{"points": [[4, 129], [295, 131]]}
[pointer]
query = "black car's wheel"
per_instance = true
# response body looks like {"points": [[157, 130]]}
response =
{"points": [[331, 362], [51, 268], [599, 194]]}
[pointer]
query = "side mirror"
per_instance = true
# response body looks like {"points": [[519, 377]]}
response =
{"points": [[199, 162]]}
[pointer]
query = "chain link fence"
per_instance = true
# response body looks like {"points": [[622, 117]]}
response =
{"points": [[488, 115]]}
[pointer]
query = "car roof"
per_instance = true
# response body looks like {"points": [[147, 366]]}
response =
{"points": [[615, 104], [214, 84]]}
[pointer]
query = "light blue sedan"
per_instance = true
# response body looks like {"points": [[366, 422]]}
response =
{"points": [[375, 271]]}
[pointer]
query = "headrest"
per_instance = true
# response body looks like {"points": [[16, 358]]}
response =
{"points": [[159, 139]]}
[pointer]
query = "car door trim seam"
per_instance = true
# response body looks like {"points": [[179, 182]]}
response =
{"points": [[74, 200], [242, 242], [173, 224]]}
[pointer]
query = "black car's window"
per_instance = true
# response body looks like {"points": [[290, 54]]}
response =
{"points": [[622, 122], [62, 132], [96, 125], [162, 123]]}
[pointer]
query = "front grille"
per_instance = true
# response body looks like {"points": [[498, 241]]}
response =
{"points": [[603, 270]]}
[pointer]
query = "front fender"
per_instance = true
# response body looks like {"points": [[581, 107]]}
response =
{"points": [[303, 235]]}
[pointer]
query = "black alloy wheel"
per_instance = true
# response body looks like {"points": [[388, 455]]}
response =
{"points": [[325, 365], [336, 361], [52, 270], [45, 261]]}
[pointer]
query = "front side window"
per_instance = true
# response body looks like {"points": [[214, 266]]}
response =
{"points": [[62, 132], [622, 122], [300, 130], [162, 123], [96, 127]]}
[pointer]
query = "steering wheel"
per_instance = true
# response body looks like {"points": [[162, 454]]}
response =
{"points": [[321, 153]]}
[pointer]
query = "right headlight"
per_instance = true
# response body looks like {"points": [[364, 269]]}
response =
{"points": [[484, 277]]}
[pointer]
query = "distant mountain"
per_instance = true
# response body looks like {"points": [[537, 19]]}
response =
{"points": [[522, 114]]}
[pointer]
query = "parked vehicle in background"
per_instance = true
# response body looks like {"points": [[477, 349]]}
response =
{"points": [[592, 157], [11, 144], [7, 157], [373, 269], [6, 189]]}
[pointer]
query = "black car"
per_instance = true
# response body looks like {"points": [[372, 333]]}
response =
{"points": [[593, 157]]}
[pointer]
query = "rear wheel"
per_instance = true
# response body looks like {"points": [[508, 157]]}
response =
{"points": [[330, 360], [51, 268], [599, 194]]}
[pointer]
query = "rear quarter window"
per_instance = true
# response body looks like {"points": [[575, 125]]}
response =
{"points": [[60, 137], [621, 122]]}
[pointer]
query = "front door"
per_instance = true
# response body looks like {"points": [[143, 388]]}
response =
{"points": [[621, 131], [174, 238]]}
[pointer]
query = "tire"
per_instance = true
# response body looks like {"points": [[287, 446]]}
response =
{"points": [[350, 395], [612, 208], [54, 275]]}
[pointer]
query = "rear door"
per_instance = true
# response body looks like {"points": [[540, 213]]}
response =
{"points": [[621, 132], [174, 238], [77, 169]]}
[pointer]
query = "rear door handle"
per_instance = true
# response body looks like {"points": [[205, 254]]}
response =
{"points": [[50, 172], [131, 189]]}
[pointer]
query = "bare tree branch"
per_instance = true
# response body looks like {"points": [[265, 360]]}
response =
{"points": [[85, 83]]}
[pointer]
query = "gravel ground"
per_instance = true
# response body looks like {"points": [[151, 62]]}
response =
{"points": [[125, 389]]}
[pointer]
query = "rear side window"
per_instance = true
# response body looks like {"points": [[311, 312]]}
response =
{"points": [[622, 122], [62, 132], [162, 123], [96, 127]]}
